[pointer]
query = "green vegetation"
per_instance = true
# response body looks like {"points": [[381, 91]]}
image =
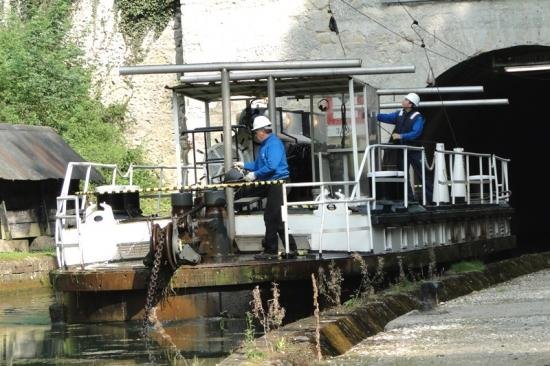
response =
{"points": [[403, 286], [140, 17], [44, 81], [467, 266], [16, 256]]}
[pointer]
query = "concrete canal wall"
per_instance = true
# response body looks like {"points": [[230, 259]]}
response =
{"points": [[343, 327], [30, 272]]}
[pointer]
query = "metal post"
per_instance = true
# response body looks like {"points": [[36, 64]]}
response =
{"points": [[424, 178], [406, 173], [366, 116], [353, 128], [284, 213], [228, 156], [177, 144], [272, 104], [312, 137], [207, 122]]}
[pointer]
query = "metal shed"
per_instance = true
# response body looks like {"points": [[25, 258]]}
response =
{"points": [[33, 160]]}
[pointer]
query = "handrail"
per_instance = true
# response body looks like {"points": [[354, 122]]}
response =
{"points": [[322, 203], [370, 153]]}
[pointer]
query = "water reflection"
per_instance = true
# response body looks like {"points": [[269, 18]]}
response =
{"points": [[28, 337]]}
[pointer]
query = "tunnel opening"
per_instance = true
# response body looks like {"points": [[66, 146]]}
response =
{"points": [[517, 131]]}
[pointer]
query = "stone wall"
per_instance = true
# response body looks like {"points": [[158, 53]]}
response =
{"points": [[246, 30]]}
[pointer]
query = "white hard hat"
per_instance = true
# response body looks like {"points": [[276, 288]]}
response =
{"points": [[260, 122], [413, 98]]}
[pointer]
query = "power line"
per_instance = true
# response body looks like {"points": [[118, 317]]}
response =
{"points": [[395, 32]]}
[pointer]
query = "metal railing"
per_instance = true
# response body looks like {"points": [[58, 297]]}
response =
{"points": [[370, 162], [322, 203], [502, 185], [486, 174], [61, 223]]}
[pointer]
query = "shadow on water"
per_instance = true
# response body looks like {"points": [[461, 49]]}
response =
{"points": [[28, 337]]}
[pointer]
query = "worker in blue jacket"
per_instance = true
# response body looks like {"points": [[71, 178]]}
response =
{"points": [[409, 124], [270, 164]]}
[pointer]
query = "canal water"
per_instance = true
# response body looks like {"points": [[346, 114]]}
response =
{"points": [[27, 337]]}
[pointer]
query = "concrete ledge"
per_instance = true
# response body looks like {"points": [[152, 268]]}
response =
{"points": [[342, 328], [26, 273], [16, 245]]}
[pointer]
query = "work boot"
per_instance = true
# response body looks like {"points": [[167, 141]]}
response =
{"points": [[267, 255]]}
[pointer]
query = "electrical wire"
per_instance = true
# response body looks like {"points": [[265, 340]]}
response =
{"points": [[333, 26], [395, 32]]}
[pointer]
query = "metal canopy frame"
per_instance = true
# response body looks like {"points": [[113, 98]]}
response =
{"points": [[259, 88]]}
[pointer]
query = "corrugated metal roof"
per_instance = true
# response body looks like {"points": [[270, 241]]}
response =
{"points": [[36, 153]]}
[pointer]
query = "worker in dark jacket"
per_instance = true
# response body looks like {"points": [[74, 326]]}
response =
{"points": [[270, 164], [409, 124]]}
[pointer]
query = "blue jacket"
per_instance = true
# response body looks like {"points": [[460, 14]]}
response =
{"points": [[397, 116], [271, 162]]}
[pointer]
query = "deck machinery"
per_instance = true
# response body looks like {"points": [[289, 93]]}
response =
{"points": [[343, 197]]}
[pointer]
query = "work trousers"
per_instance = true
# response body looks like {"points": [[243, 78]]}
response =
{"points": [[414, 159], [272, 215]]}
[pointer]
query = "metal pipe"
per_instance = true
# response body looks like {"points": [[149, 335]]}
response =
{"points": [[353, 128], [272, 104], [435, 90], [228, 153], [247, 75], [218, 66], [207, 122], [177, 142], [312, 137], [451, 103]]}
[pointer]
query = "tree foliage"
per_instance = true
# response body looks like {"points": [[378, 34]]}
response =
{"points": [[44, 81]]}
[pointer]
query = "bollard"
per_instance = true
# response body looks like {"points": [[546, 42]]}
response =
{"points": [[441, 187], [428, 295]]}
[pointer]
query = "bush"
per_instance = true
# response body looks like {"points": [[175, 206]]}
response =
{"points": [[43, 81]]}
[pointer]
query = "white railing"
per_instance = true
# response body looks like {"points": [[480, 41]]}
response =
{"points": [[62, 221], [390, 176], [68, 220], [502, 185], [62, 218], [322, 202], [488, 167]]}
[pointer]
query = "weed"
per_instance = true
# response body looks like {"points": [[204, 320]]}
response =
{"points": [[403, 286], [250, 350], [317, 320], [365, 289], [467, 266], [331, 287], [258, 311], [280, 345], [402, 276]]}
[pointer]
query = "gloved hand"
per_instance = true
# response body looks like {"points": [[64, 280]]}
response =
{"points": [[396, 136], [239, 164], [250, 176]]}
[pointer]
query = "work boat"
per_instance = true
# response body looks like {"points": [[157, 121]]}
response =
{"points": [[347, 192]]}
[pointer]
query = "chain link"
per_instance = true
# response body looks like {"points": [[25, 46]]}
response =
{"points": [[158, 245]]}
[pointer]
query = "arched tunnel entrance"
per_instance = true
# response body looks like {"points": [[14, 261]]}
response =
{"points": [[519, 131]]}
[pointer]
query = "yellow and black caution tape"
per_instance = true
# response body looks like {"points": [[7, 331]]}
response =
{"points": [[192, 187]]}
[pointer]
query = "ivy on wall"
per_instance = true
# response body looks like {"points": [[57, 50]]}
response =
{"points": [[138, 18]]}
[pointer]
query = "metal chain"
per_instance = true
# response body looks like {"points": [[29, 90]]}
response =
{"points": [[158, 245]]}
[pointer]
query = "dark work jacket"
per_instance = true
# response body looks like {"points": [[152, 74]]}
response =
{"points": [[408, 125]]}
